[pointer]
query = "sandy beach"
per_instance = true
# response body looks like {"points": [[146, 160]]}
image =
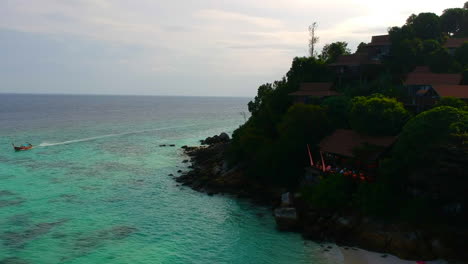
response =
{"points": [[351, 255]]}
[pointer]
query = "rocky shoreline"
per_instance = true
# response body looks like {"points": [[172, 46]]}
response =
{"points": [[209, 173]]}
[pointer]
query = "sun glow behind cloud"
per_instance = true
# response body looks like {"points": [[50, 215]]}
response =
{"points": [[205, 47]]}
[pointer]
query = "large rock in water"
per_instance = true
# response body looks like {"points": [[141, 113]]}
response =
{"points": [[221, 138], [286, 218]]}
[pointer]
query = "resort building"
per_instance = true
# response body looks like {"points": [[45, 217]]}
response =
{"points": [[354, 154], [379, 47], [308, 92], [354, 64], [424, 88], [452, 44], [347, 143]]}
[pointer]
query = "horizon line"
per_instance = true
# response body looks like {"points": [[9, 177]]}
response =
{"points": [[153, 95]]}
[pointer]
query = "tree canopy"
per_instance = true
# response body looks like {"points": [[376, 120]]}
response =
{"points": [[461, 55], [451, 101], [427, 129], [377, 115], [331, 52]]}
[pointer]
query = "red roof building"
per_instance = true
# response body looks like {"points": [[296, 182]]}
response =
{"points": [[421, 87], [454, 43], [458, 91], [343, 142], [381, 40], [422, 77], [356, 59], [318, 89]]}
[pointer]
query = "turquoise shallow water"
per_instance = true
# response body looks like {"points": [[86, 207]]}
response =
{"points": [[96, 188]]}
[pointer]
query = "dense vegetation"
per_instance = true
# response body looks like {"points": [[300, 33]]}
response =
{"points": [[428, 163], [420, 41]]}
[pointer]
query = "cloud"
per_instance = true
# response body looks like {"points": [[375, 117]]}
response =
{"points": [[157, 43], [225, 16]]}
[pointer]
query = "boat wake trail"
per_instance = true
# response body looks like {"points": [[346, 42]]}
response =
{"points": [[48, 144]]}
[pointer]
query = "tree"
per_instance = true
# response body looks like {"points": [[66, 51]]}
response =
{"points": [[451, 101], [302, 124], [361, 47], [431, 153], [406, 54], [308, 69], [465, 77], [263, 92], [452, 21], [313, 38], [441, 61], [461, 55], [429, 46], [426, 130], [331, 52], [377, 115], [426, 26], [338, 108]]}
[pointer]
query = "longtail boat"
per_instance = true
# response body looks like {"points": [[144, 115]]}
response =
{"points": [[23, 147]]}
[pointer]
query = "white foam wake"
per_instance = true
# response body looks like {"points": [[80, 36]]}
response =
{"points": [[48, 144]]}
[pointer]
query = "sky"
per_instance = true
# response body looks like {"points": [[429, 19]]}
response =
{"points": [[177, 47]]}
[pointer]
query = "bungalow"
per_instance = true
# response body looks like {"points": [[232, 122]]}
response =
{"points": [[419, 84], [454, 43], [308, 91], [353, 65], [347, 148], [442, 90], [379, 47]]}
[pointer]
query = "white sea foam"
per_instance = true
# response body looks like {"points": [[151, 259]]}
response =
{"points": [[48, 144]]}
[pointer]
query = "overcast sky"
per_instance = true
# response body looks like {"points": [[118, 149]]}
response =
{"points": [[177, 47]]}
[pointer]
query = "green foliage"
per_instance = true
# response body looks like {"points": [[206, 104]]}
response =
{"points": [[377, 199], [430, 153], [453, 21], [419, 42], [333, 192], [384, 85], [461, 55], [301, 125], [304, 124], [465, 77], [331, 52], [406, 53], [273, 139], [361, 47], [426, 130], [264, 91], [426, 26], [337, 109], [306, 69], [377, 115], [440, 61], [451, 101]]}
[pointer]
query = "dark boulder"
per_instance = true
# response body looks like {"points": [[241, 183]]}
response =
{"points": [[221, 138]]}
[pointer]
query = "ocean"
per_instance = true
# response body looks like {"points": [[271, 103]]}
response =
{"points": [[96, 186]]}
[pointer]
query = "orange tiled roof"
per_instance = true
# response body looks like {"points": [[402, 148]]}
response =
{"points": [[344, 141], [428, 78], [459, 91], [425, 69], [381, 40], [354, 60], [455, 42], [319, 89], [314, 93]]}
